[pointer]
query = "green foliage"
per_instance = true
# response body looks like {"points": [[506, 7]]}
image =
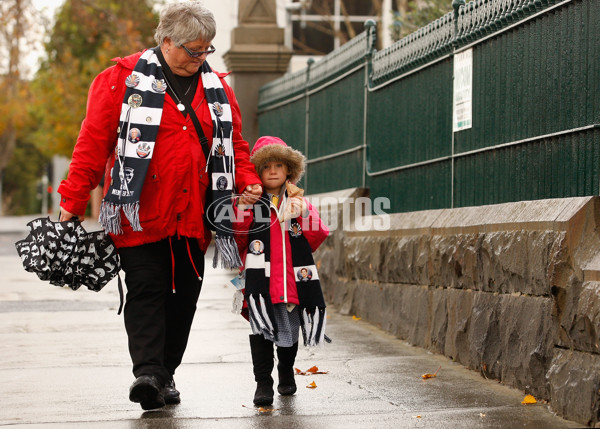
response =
{"points": [[417, 15], [21, 186], [86, 36], [86, 27], [46, 113]]}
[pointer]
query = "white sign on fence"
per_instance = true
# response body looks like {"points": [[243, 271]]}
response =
{"points": [[463, 91]]}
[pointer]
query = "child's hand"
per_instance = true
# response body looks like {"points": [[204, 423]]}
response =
{"points": [[295, 207]]}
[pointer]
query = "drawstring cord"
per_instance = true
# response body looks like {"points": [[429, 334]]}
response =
{"points": [[187, 242], [172, 264], [192, 259], [120, 286]]}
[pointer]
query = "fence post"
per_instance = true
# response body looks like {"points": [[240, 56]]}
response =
{"points": [[371, 27], [309, 63], [456, 4]]}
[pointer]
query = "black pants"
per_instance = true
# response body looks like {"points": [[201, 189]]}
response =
{"points": [[158, 321]]}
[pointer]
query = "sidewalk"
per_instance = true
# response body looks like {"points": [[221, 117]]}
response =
{"points": [[64, 364]]}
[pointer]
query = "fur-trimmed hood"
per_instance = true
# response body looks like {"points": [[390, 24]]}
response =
{"points": [[269, 148]]}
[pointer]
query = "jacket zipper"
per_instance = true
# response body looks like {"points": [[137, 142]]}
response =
{"points": [[282, 226]]}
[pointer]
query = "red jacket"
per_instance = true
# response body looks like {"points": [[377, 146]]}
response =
{"points": [[172, 199], [282, 280]]}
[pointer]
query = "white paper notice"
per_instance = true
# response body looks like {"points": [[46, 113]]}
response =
{"points": [[463, 91]]}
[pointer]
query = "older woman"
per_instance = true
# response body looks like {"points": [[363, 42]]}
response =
{"points": [[187, 145]]}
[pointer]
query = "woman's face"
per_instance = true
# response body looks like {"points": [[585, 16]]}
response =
{"points": [[180, 62]]}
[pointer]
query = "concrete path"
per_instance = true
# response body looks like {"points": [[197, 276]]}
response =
{"points": [[64, 364]]}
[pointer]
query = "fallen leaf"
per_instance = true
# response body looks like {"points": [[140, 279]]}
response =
{"points": [[309, 371], [426, 376], [312, 385], [266, 410], [355, 318], [529, 399], [417, 417], [261, 409]]}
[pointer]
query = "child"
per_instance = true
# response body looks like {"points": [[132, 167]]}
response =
{"points": [[276, 237]]}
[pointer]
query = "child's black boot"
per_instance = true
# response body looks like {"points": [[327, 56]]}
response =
{"points": [[262, 361], [285, 368]]}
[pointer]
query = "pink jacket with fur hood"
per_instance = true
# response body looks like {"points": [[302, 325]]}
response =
{"points": [[282, 280]]}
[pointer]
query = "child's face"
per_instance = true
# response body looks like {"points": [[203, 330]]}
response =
{"points": [[273, 175]]}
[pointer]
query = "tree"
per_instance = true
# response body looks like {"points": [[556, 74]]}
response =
{"points": [[87, 34], [16, 17], [410, 15], [42, 118]]}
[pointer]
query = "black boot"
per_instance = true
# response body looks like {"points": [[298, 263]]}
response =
{"points": [[285, 368], [146, 390], [262, 361]]}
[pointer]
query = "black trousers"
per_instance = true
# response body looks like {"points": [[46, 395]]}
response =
{"points": [[158, 321]]}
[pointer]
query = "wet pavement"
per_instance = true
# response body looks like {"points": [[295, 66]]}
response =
{"points": [[64, 364]]}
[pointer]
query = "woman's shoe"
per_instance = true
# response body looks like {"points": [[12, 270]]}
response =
{"points": [[147, 392], [170, 393]]}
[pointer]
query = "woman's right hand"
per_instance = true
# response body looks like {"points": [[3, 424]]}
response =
{"points": [[250, 195], [65, 216]]}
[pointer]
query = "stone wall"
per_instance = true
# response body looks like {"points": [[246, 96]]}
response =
{"points": [[509, 290]]}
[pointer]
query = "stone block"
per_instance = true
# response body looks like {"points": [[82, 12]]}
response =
{"points": [[459, 309], [438, 320], [405, 259], [574, 380], [396, 308], [512, 338], [519, 261], [579, 317], [362, 257], [454, 261], [342, 296]]}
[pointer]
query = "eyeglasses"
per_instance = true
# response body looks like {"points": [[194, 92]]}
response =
{"points": [[196, 54]]}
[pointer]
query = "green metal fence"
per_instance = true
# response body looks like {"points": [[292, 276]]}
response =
{"points": [[384, 119]]}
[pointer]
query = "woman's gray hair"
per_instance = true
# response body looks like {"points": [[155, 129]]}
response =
{"points": [[184, 22]]}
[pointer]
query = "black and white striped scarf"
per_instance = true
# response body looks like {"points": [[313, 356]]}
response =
{"points": [[222, 168], [260, 308], [141, 113]]}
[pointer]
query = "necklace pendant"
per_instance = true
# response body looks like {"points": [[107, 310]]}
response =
{"points": [[181, 107]]}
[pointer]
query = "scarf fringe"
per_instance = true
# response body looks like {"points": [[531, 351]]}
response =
{"points": [[261, 318], [226, 252], [132, 213], [110, 217], [313, 326]]}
